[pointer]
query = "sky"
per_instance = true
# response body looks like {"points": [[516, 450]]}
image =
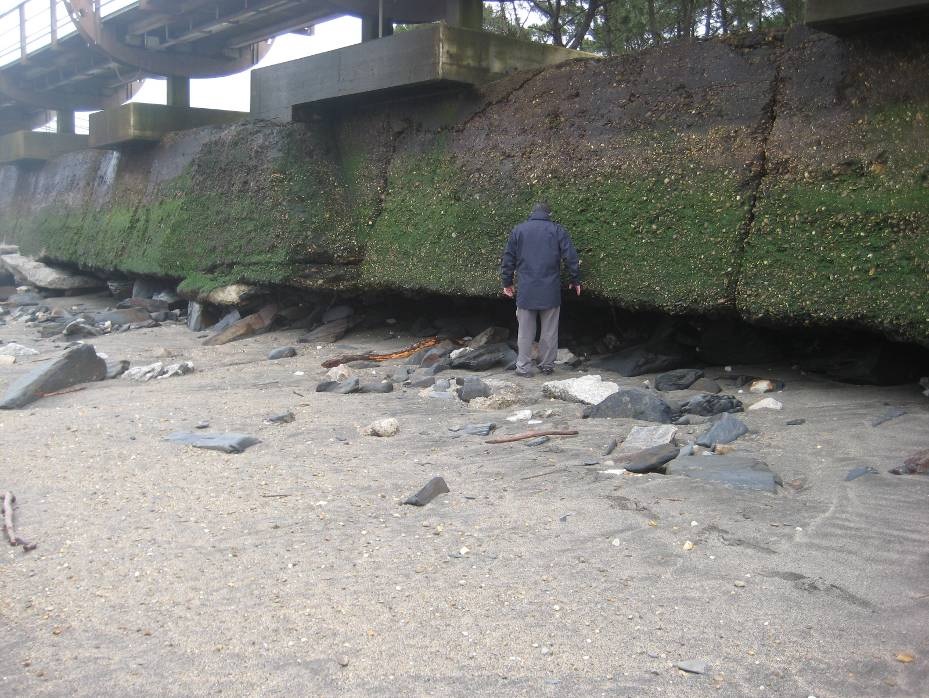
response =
{"points": [[232, 92]]}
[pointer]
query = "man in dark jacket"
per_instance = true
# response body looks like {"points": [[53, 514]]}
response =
{"points": [[534, 252]]}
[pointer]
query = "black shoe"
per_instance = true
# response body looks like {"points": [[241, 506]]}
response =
{"points": [[547, 370], [523, 374]]}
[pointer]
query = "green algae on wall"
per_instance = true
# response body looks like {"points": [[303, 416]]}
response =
{"points": [[653, 242], [848, 241], [233, 215]]}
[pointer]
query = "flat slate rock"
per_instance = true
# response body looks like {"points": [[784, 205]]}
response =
{"points": [[227, 443], [327, 333], [737, 471], [641, 438], [679, 379], [346, 387], [46, 276], [632, 403], [693, 666], [248, 326], [648, 460], [79, 364], [860, 471], [724, 430]]}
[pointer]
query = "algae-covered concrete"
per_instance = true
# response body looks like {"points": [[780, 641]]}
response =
{"points": [[783, 179]]}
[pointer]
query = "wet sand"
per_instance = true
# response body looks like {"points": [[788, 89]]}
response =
{"points": [[293, 568]]}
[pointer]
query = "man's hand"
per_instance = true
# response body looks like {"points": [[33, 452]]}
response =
{"points": [[576, 288], [508, 291]]}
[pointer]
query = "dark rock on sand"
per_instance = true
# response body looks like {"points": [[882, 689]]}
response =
{"points": [[487, 357], [471, 388], [724, 430], [327, 333], [227, 443], [737, 471], [707, 405], [351, 385], [380, 387], [430, 491], [80, 364], [282, 353], [680, 379], [648, 460], [632, 403]]}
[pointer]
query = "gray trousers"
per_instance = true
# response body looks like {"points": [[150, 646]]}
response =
{"points": [[548, 339]]}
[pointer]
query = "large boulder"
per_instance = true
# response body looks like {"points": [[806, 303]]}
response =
{"points": [[77, 365], [632, 403], [46, 276]]}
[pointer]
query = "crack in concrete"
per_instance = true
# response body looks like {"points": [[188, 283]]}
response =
{"points": [[760, 171], [385, 172], [494, 102]]}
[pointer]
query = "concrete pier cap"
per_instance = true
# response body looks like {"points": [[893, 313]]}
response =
{"points": [[427, 56], [38, 146], [140, 122]]}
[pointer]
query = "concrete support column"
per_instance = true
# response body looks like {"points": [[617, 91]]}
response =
{"points": [[64, 121], [369, 29], [178, 91], [468, 14]]}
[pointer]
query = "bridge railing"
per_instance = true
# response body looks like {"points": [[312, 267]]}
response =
{"points": [[32, 25]]}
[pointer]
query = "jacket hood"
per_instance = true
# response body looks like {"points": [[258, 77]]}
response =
{"points": [[539, 214]]}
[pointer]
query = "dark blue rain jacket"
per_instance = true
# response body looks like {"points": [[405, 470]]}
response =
{"points": [[534, 253]]}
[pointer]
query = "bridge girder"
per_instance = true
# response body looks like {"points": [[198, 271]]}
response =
{"points": [[90, 26]]}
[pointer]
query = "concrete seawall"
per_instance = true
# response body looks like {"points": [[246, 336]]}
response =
{"points": [[784, 179]]}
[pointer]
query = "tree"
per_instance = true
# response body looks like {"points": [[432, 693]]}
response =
{"points": [[611, 27]]}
